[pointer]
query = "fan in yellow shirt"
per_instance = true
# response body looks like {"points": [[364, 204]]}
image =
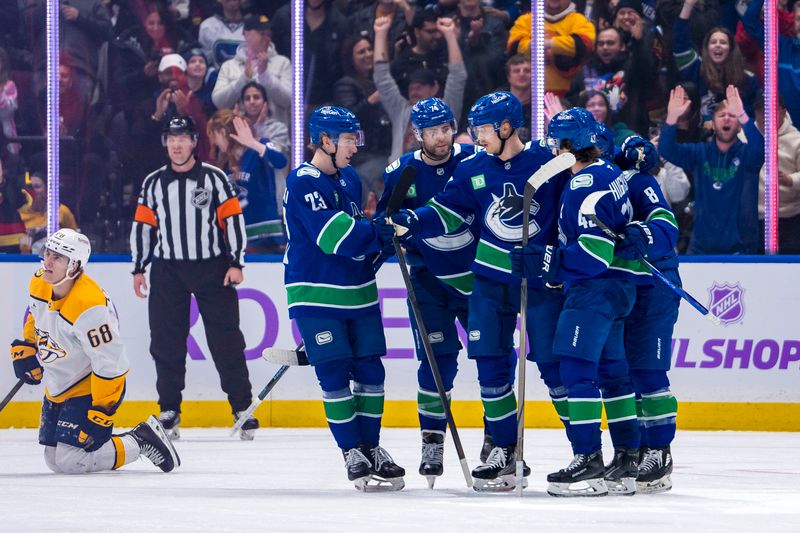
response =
{"points": [[34, 213]]}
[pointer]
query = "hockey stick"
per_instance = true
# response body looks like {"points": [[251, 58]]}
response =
{"points": [[260, 398], [283, 357], [11, 394], [555, 166], [395, 201], [589, 209]]}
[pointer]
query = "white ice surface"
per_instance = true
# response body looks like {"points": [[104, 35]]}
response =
{"points": [[294, 480]]}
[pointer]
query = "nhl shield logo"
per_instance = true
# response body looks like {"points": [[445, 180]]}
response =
{"points": [[201, 197], [726, 302]]}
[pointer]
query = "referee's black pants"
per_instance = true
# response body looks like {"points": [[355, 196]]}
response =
{"points": [[171, 285]]}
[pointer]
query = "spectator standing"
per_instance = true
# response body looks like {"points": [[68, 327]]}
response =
{"points": [[518, 78], [324, 29], [221, 34], [256, 60], [425, 52], [13, 239], [34, 213], [8, 105], [401, 13], [200, 78], [357, 92], [251, 164], [189, 225], [568, 42], [725, 172], [422, 84]]}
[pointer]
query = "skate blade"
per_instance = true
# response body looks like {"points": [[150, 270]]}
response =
{"points": [[431, 481], [505, 483], [625, 486], [173, 434], [587, 488], [162, 433], [374, 483], [247, 434], [654, 487]]}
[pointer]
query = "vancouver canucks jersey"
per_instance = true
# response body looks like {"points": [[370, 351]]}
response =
{"points": [[449, 256], [650, 206], [78, 342], [328, 271], [587, 252], [490, 189]]}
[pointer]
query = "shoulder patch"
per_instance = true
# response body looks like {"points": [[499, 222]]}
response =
{"points": [[393, 166], [581, 180], [308, 171], [628, 174], [478, 182], [412, 191]]}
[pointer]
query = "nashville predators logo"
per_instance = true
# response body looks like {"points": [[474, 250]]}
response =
{"points": [[504, 215], [49, 350]]}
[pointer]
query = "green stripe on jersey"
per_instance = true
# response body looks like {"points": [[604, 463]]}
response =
{"points": [[334, 232], [369, 404], [635, 267], [662, 214], [429, 404], [598, 247], [500, 408], [584, 410], [461, 282], [620, 408], [656, 406], [493, 256], [450, 219], [321, 295], [340, 410]]}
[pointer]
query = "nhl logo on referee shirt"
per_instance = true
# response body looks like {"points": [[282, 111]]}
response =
{"points": [[201, 197]]}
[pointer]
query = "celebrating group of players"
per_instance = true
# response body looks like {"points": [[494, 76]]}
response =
{"points": [[599, 326]]}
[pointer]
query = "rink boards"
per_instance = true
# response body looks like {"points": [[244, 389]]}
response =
{"points": [[741, 375]]}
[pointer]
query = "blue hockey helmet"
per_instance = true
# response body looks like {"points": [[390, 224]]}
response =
{"points": [[333, 120], [605, 141], [430, 112], [575, 125], [495, 108]]}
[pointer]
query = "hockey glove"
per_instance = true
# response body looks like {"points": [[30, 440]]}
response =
{"points": [[527, 262], [26, 364], [95, 431], [385, 233], [636, 241], [551, 259], [407, 224], [637, 153]]}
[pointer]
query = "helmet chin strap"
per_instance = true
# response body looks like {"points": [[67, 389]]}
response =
{"points": [[333, 155], [66, 277], [503, 141]]}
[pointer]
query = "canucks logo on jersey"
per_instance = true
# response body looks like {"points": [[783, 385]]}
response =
{"points": [[49, 350], [504, 216]]}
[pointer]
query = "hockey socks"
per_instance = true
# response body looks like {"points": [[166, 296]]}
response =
{"points": [[659, 412], [500, 406], [340, 412], [429, 405], [431, 411], [584, 405], [368, 401]]}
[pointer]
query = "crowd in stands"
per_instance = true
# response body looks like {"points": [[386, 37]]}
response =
{"points": [[662, 69]]}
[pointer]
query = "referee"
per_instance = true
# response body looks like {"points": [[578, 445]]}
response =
{"points": [[189, 224]]}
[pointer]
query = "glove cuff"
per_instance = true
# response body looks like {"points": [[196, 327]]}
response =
{"points": [[100, 418]]}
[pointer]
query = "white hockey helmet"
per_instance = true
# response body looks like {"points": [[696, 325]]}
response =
{"points": [[73, 245]]}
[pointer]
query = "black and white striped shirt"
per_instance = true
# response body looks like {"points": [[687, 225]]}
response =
{"points": [[187, 216]]}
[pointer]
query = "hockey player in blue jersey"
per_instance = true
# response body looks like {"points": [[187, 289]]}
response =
{"points": [[648, 329], [439, 268], [333, 296], [489, 186], [599, 294]]}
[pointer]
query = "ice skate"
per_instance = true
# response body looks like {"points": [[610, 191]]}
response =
{"points": [[248, 430], [498, 473], [384, 474], [654, 471], [358, 467], [583, 477], [171, 422], [154, 443], [488, 446], [431, 466], [621, 472]]}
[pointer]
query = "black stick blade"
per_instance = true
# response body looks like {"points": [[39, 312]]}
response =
{"points": [[400, 190]]}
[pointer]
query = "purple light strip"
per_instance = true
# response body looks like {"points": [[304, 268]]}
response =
{"points": [[771, 127], [537, 69], [52, 117], [298, 109]]}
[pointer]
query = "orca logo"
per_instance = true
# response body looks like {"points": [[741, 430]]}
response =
{"points": [[504, 215]]}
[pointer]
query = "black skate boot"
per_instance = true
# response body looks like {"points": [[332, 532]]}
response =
{"points": [[432, 456], [387, 475], [248, 430], [171, 422], [155, 444], [583, 477], [358, 467], [621, 472], [498, 473], [488, 446], [654, 471]]}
